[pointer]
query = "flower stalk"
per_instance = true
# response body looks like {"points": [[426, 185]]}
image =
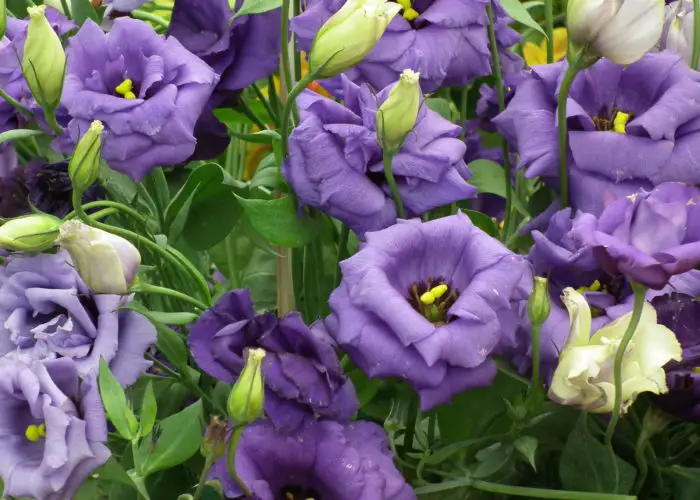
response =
{"points": [[549, 29], [569, 77], [696, 34]]}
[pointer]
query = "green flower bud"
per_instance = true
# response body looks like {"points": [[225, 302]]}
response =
{"points": [[31, 233], [84, 166], [245, 403], [349, 35], [214, 442], [3, 18], [107, 263], [397, 116], [538, 304], [44, 61]]}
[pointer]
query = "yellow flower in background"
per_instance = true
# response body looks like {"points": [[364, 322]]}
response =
{"points": [[537, 54]]}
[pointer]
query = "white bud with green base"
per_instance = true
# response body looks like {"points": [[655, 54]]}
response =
{"points": [[31, 233]]}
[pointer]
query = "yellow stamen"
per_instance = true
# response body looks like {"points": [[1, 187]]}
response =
{"points": [[593, 287], [439, 290], [427, 298], [42, 430], [696, 369], [33, 433], [406, 4], [410, 14], [620, 122], [124, 89]]}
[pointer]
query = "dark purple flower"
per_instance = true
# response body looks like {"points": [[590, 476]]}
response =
{"points": [[681, 313], [148, 91], [323, 460], [383, 319], [13, 195], [335, 161], [447, 43], [47, 312], [44, 186], [241, 52], [302, 373], [655, 102], [52, 428], [647, 236]]}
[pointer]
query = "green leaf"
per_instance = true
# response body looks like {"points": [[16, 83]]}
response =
{"points": [[483, 222], [277, 221], [443, 107], [256, 7], [113, 471], [527, 447], [493, 460], [149, 409], [173, 318], [489, 177], [520, 13], [115, 403], [366, 387], [169, 342], [262, 137], [18, 133], [587, 465], [180, 437], [267, 174], [82, 10]]}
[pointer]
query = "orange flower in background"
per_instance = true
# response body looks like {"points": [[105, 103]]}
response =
{"points": [[535, 54]]}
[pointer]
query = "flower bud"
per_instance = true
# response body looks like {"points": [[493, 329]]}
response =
{"points": [[584, 375], [621, 30], [245, 403], [397, 116], [678, 32], [538, 303], [44, 61], [214, 442], [349, 35], [31, 233], [107, 263], [3, 18], [84, 166]]}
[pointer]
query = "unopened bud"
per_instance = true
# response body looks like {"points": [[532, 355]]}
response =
{"points": [[214, 442], [349, 35], [107, 263], [84, 166], [3, 18], [397, 116], [538, 304], [245, 403], [31, 233], [44, 61]]}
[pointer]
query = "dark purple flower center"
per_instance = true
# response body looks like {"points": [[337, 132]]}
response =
{"points": [[412, 9], [298, 493], [614, 286], [432, 299], [615, 122]]}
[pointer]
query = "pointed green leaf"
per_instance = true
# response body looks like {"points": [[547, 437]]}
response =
{"points": [[527, 447], [149, 408], [255, 6], [519, 12], [115, 403]]}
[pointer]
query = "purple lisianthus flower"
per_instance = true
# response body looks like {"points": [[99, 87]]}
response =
{"points": [[447, 43], [324, 459], [559, 255], [241, 52], [13, 196], [302, 373], [147, 90], [123, 5], [647, 236], [53, 428], [47, 312], [335, 161], [654, 104], [430, 303], [681, 313]]}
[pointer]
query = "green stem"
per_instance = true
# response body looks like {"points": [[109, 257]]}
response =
{"points": [[287, 111], [162, 6], [549, 29], [411, 421], [245, 109], [15, 104], [66, 9], [265, 103], [566, 83], [536, 331], [519, 491], [639, 296], [162, 366], [498, 76], [111, 204], [342, 252], [148, 288], [208, 463], [149, 16], [696, 34], [286, 69], [137, 238], [50, 116], [464, 102], [389, 174], [103, 214], [231, 459], [639, 455]]}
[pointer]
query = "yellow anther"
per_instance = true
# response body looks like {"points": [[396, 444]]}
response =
{"points": [[620, 122], [129, 95], [124, 88], [696, 369], [595, 286], [410, 14], [406, 4], [42, 430], [33, 433], [439, 290], [427, 298]]}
